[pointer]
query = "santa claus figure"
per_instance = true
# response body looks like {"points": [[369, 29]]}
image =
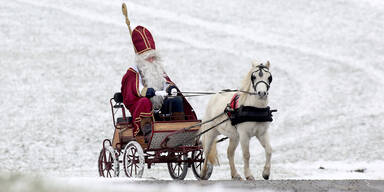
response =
{"points": [[147, 89]]}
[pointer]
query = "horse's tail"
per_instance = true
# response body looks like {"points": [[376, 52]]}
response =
{"points": [[212, 156]]}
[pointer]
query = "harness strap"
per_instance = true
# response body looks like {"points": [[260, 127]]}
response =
{"points": [[261, 82], [163, 143], [203, 93], [202, 123], [231, 106], [198, 135], [234, 101]]}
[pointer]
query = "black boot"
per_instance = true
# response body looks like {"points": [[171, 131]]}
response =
{"points": [[146, 128]]}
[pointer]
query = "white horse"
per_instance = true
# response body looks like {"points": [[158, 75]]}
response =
{"points": [[257, 82]]}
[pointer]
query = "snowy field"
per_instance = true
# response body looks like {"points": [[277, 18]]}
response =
{"points": [[61, 61]]}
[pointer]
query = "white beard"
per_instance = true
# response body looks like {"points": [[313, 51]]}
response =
{"points": [[152, 75]]}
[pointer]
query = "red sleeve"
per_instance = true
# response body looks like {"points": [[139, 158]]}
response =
{"points": [[130, 88]]}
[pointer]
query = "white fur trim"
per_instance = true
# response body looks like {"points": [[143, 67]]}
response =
{"points": [[147, 54], [141, 86]]}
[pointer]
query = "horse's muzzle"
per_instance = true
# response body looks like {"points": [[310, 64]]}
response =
{"points": [[262, 94]]}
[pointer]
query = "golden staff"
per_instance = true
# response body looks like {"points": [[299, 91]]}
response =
{"points": [[125, 13]]}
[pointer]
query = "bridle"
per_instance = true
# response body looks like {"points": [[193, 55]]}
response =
{"points": [[260, 70]]}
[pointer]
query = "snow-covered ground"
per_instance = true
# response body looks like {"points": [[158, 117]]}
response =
{"points": [[61, 61]]}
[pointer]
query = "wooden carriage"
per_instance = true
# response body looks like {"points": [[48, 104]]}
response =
{"points": [[172, 141]]}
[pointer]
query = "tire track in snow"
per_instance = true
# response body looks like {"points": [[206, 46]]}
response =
{"points": [[188, 20], [233, 31], [93, 16], [221, 28]]}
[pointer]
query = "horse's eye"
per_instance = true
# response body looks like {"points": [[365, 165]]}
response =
{"points": [[253, 77], [270, 79]]}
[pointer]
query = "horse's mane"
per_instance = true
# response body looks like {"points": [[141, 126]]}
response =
{"points": [[245, 86]]}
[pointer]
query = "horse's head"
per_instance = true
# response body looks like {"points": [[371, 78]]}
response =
{"points": [[259, 79]]}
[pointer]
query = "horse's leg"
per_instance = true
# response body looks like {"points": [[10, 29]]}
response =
{"points": [[233, 143], [209, 138], [264, 141], [244, 141]]}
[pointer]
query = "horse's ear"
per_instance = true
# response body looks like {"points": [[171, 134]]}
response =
{"points": [[268, 64], [255, 63]]}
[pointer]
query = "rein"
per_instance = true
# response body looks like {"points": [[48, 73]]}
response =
{"points": [[260, 70], [198, 124], [204, 93]]}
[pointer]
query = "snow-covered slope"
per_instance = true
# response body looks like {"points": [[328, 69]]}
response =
{"points": [[61, 61]]}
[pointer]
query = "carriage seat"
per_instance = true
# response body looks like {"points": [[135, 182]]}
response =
{"points": [[124, 120], [118, 97]]}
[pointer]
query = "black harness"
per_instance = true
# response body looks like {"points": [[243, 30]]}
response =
{"points": [[261, 74], [248, 113], [252, 114]]}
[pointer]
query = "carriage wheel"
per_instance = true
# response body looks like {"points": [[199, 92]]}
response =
{"points": [[178, 170], [133, 160], [197, 165], [108, 163]]}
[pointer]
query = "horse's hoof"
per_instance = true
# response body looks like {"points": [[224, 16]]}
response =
{"points": [[266, 177], [203, 177], [250, 178], [237, 178]]}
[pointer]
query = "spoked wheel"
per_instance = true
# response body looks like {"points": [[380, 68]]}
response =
{"points": [[178, 170], [108, 164], [133, 160], [197, 165]]}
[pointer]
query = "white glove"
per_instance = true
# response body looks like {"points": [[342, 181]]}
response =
{"points": [[161, 93]]}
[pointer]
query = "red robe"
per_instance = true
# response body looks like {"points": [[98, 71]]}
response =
{"points": [[138, 105]]}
